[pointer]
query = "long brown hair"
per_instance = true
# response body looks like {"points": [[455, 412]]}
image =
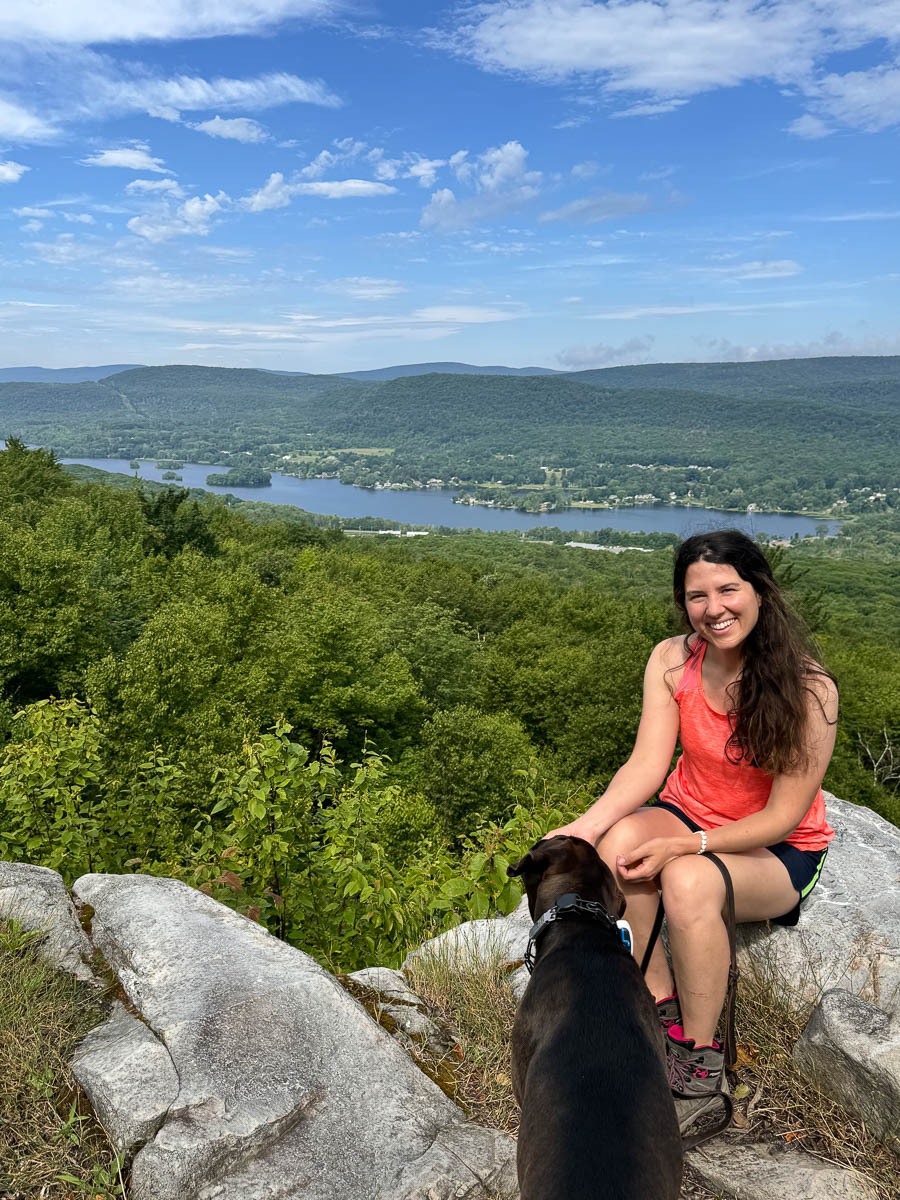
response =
{"points": [[770, 698]]}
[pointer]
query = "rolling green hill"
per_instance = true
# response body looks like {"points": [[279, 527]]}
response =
{"points": [[793, 434]]}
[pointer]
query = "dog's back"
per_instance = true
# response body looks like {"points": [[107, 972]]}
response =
{"points": [[598, 1120], [597, 1116]]}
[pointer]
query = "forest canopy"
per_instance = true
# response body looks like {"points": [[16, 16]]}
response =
{"points": [[243, 704]]}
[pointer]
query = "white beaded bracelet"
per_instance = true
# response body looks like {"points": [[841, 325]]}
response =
{"points": [[702, 833]]}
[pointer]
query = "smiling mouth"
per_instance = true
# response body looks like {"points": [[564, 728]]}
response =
{"points": [[721, 626]]}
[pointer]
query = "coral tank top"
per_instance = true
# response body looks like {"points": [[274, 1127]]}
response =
{"points": [[707, 786]]}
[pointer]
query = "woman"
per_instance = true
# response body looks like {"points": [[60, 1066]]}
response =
{"points": [[756, 718]]}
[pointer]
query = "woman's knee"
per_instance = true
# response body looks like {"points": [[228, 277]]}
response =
{"points": [[620, 839], [692, 890]]}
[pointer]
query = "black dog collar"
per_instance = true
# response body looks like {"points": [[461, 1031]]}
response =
{"points": [[570, 905]]}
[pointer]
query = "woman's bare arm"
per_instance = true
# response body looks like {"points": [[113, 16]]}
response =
{"points": [[644, 772]]}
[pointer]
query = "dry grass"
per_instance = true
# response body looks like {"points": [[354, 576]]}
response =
{"points": [[51, 1148], [783, 1104], [471, 998]]}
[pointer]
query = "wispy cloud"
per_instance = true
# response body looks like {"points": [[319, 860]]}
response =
{"points": [[238, 129], [867, 215], [601, 206], [18, 124], [583, 358], [191, 218], [132, 158], [363, 287], [106, 21], [686, 310], [277, 193]]}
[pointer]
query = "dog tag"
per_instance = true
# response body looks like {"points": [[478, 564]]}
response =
{"points": [[626, 935]]}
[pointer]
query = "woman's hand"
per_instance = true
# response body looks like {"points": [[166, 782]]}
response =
{"points": [[579, 828], [647, 860]]}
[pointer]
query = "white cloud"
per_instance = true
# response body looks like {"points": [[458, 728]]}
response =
{"points": [[17, 124], [649, 108], [584, 358], [152, 186], [192, 217], [105, 89], [134, 158], [833, 343], [162, 287], [32, 226], [465, 314], [345, 150], [670, 50], [780, 268], [12, 172], [362, 287], [809, 126], [240, 129], [42, 214], [867, 215], [601, 206], [687, 310], [868, 100], [120, 21], [408, 165], [79, 218], [500, 183], [585, 170], [276, 193], [66, 250]]}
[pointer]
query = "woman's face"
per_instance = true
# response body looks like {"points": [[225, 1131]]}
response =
{"points": [[722, 607]]}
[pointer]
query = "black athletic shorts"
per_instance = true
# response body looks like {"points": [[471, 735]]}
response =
{"points": [[803, 866]]}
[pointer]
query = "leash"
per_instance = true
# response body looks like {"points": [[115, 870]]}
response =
{"points": [[730, 1044]]}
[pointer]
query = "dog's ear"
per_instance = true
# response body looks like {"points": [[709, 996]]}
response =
{"points": [[533, 864]]}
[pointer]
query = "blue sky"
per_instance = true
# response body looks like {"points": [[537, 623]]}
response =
{"points": [[325, 185]]}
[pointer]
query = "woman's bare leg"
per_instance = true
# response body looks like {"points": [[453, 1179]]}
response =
{"points": [[694, 896]]}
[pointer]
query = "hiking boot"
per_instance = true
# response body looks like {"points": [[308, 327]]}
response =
{"points": [[693, 1072], [669, 1012]]}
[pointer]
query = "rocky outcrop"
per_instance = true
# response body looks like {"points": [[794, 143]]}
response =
{"points": [[128, 1075], [773, 1173], [286, 1087], [851, 1049], [37, 899], [849, 933]]}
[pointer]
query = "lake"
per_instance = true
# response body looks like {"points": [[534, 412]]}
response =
{"points": [[434, 506]]}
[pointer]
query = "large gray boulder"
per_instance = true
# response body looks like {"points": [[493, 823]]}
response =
{"points": [[36, 898], [852, 1051], [770, 1172], [128, 1076], [287, 1088], [494, 939], [849, 933]]}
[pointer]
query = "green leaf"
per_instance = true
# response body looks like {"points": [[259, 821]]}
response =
{"points": [[455, 887]]}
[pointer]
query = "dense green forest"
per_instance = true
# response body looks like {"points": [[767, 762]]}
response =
{"points": [[720, 435], [311, 726]]}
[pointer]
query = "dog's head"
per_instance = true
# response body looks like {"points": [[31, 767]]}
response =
{"points": [[563, 864]]}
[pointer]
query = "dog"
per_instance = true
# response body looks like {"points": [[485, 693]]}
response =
{"points": [[588, 1059]]}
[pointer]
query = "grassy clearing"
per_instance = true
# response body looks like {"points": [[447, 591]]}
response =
{"points": [[51, 1148], [468, 992]]}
